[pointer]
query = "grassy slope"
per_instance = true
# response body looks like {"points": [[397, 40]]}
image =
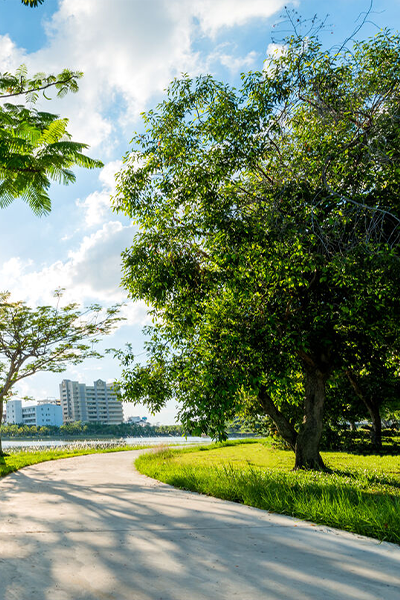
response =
{"points": [[361, 495]]}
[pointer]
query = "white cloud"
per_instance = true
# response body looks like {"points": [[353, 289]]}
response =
{"points": [[95, 267], [274, 51], [234, 63], [217, 14], [107, 174], [10, 55], [97, 205], [129, 50], [92, 272]]}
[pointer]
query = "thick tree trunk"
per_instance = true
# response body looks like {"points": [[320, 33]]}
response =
{"points": [[285, 428], [376, 431], [373, 410], [309, 437]]}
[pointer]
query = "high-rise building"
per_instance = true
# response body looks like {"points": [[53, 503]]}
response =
{"points": [[90, 403], [45, 412]]}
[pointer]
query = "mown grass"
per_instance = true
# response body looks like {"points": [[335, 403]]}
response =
{"points": [[17, 460], [361, 494]]}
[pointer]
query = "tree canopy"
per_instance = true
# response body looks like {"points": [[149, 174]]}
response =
{"points": [[48, 338], [268, 237]]}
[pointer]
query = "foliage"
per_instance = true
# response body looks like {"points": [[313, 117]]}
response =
{"points": [[35, 146], [358, 441], [32, 3], [250, 425], [267, 244], [47, 338], [361, 495]]}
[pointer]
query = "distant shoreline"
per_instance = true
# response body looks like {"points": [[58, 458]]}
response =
{"points": [[72, 438], [60, 438]]}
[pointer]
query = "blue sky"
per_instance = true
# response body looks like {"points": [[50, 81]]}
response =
{"points": [[129, 51]]}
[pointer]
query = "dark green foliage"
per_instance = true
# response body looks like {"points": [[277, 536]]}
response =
{"points": [[35, 146]]}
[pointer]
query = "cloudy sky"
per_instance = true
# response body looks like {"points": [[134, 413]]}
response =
{"points": [[129, 51]]}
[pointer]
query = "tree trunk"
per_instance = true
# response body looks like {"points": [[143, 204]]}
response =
{"points": [[309, 437], [376, 431], [285, 428], [1, 422], [373, 410]]}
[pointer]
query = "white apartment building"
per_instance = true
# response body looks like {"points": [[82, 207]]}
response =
{"points": [[45, 412], [142, 421], [95, 403]]}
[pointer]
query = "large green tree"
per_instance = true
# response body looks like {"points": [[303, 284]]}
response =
{"points": [[268, 234], [47, 338]]}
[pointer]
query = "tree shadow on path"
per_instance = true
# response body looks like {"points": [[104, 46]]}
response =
{"points": [[90, 528]]}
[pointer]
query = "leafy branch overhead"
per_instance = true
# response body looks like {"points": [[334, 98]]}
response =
{"points": [[35, 146], [19, 84], [32, 3]]}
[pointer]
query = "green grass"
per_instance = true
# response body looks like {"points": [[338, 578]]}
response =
{"points": [[361, 494], [17, 460]]}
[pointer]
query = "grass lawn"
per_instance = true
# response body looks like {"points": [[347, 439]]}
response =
{"points": [[361, 494]]}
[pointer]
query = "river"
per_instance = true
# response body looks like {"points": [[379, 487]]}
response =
{"points": [[146, 441]]}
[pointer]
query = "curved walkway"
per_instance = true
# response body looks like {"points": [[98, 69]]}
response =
{"points": [[91, 528]]}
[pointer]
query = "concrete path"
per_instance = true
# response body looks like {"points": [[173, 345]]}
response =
{"points": [[91, 528]]}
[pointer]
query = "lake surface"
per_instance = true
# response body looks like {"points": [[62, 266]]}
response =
{"points": [[130, 440]]}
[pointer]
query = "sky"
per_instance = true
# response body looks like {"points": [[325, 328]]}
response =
{"points": [[129, 51]]}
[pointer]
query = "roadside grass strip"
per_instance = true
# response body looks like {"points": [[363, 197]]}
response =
{"points": [[357, 496]]}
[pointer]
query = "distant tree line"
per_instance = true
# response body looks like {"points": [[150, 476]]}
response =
{"points": [[79, 429]]}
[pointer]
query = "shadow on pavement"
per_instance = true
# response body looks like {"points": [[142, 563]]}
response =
{"points": [[90, 528]]}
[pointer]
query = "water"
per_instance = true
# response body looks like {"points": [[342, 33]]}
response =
{"points": [[133, 441]]}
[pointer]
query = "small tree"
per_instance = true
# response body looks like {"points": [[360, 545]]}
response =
{"points": [[47, 338]]}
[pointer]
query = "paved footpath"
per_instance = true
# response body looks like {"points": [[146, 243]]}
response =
{"points": [[91, 528]]}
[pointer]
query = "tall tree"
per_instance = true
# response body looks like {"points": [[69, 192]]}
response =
{"points": [[47, 339], [268, 236]]}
